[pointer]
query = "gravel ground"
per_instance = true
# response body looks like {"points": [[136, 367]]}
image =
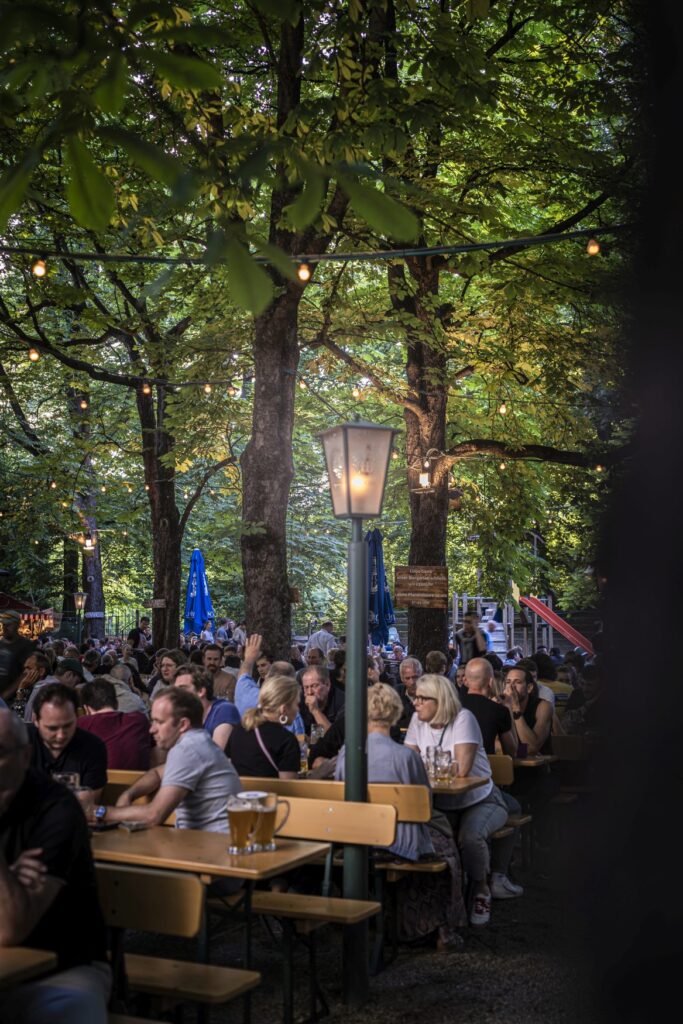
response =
{"points": [[521, 969]]}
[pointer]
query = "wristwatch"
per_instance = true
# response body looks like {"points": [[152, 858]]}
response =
{"points": [[100, 813], [515, 715]]}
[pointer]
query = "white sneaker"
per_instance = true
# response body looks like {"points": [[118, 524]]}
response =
{"points": [[481, 910], [504, 889]]}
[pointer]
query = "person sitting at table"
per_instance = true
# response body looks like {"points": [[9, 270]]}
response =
{"points": [[219, 714], [58, 746], [321, 702], [168, 664], [428, 903], [441, 721], [409, 672], [48, 893], [262, 745], [532, 716], [196, 779], [125, 733]]}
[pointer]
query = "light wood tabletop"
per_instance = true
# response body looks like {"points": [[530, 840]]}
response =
{"points": [[18, 963], [534, 760], [204, 853], [458, 786]]}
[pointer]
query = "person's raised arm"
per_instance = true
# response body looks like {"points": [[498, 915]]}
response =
{"points": [[252, 649]]}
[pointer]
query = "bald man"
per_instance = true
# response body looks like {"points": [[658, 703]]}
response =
{"points": [[494, 719]]}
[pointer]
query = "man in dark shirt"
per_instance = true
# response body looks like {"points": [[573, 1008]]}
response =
{"points": [[125, 734], [470, 640], [48, 893], [14, 650], [321, 702], [58, 746], [494, 719]]}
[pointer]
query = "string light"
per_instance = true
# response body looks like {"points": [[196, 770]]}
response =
{"points": [[356, 392], [34, 355], [146, 487], [65, 504], [599, 468], [303, 272], [53, 485], [83, 403], [394, 453], [39, 267], [103, 489], [207, 389], [231, 391], [146, 388], [502, 466], [593, 247], [503, 409], [302, 385]]}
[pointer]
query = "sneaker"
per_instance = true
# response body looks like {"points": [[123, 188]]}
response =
{"points": [[481, 910], [502, 888]]}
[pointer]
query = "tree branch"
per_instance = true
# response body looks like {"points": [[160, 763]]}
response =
{"points": [[542, 453], [33, 443], [229, 461]]}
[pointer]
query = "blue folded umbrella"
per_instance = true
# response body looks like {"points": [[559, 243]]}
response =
{"points": [[198, 606], [381, 609]]}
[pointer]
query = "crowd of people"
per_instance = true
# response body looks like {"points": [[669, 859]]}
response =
{"points": [[197, 719]]}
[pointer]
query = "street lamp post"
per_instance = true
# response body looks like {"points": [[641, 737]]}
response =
{"points": [[357, 456], [80, 597]]}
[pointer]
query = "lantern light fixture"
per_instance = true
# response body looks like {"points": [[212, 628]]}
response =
{"points": [[357, 457]]}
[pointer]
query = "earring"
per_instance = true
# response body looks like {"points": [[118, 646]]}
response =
{"points": [[283, 720]]}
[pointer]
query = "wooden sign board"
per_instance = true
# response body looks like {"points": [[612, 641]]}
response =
{"points": [[421, 586], [157, 602]]}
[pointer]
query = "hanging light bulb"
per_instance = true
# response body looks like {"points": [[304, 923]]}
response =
{"points": [[125, 533], [207, 389], [394, 453], [593, 247], [53, 485], [129, 489], [599, 468], [34, 355], [146, 388], [103, 489], [146, 487], [303, 385], [231, 391], [65, 504], [303, 272], [502, 466], [356, 392], [502, 409], [83, 403], [39, 267]]}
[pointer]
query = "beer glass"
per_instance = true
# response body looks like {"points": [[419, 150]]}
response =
{"points": [[266, 826], [242, 815]]}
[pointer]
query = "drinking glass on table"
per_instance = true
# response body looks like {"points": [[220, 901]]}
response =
{"points": [[429, 758], [442, 766], [265, 828], [242, 817]]}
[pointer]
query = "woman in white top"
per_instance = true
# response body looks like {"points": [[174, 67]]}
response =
{"points": [[441, 721], [206, 634]]}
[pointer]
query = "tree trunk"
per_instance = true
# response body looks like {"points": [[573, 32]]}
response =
{"points": [[70, 576], [165, 519], [267, 472], [426, 375]]}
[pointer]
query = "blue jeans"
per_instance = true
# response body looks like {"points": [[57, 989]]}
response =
{"points": [[475, 826], [76, 996]]}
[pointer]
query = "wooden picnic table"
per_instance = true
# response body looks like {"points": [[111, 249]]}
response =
{"points": [[458, 786], [534, 760], [19, 964], [202, 853]]}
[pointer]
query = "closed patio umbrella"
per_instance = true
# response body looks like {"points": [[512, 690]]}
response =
{"points": [[198, 606]]}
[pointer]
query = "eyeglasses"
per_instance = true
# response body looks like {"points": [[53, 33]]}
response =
{"points": [[420, 698]]}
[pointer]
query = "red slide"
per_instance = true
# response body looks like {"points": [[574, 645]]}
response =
{"points": [[567, 631]]}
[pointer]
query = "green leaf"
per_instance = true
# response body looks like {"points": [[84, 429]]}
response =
{"points": [[306, 206], [13, 185], [250, 286], [382, 213], [285, 10], [146, 156], [110, 94], [90, 194], [277, 258], [477, 9], [186, 72]]}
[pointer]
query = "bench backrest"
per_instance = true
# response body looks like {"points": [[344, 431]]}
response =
{"points": [[502, 769], [338, 821], [413, 803], [147, 900]]}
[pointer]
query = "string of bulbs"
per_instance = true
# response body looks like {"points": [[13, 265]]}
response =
{"points": [[305, 262]]}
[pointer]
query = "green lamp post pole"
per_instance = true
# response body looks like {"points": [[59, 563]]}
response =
{"points": [[357, 456]]}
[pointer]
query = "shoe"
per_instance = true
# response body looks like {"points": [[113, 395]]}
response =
{"points": [[481, 910], [502, 888]]}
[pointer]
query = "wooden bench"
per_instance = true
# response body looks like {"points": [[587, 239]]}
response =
{"points": [[336, 822], [169, 903], [503, 774]]}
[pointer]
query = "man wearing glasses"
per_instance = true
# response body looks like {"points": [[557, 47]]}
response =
{"points": [[410, 671]]}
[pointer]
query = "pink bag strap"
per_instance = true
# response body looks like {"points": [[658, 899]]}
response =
{"points": [[263, 748]]}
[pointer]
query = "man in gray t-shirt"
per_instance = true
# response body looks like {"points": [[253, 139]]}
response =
{"points": [[196, 780]]}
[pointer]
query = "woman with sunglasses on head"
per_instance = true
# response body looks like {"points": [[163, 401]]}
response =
{"points": [[441, 721]]}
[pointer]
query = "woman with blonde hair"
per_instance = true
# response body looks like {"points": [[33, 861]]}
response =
{"points": [[441, 721], [261, 745], [429, 903]]}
